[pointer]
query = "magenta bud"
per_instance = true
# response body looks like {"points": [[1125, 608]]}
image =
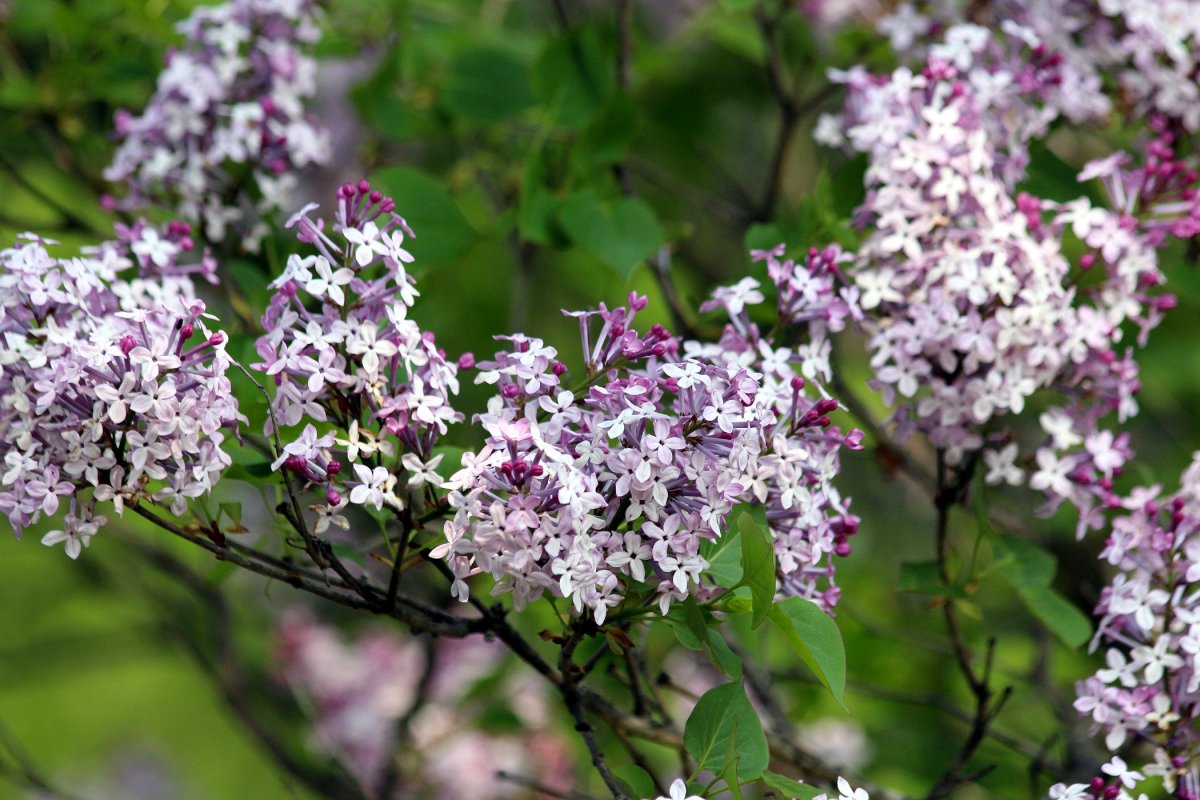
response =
{"points": [[536, 470], [842, 548], [333, 467], [1087, 260], [216, 339], [108, 202], [332, 497], [186, 243], [510, 391], [376, 196], [364, 187], [466, 361], [296, 463], [558, 368], [186, 331], [797, 383], [127, 344]]}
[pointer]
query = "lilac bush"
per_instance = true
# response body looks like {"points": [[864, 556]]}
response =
{"points": [[683, 483]]}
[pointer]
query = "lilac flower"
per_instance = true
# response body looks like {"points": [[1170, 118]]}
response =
{"points": [[1150, 626], [230, 101], [113, 388], [614, 490], [340, 339]]}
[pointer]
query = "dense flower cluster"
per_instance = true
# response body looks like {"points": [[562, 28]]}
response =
{"points": [[113, 389], [360, 691], [624, 480], [1150, 624], [1149, 49], [226, 131], [342, 352], [968, 292]]}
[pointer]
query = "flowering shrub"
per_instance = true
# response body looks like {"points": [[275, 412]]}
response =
{"points": [[583, 540]]}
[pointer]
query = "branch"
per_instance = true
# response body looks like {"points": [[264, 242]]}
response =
{"points": [[949, 493], [420, 616], [571, 696]]}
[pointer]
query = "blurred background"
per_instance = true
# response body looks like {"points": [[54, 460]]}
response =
{"points": [[548, 156]]}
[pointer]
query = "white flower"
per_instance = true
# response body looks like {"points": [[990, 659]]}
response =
{"points": [[376, 487], [679, 792]]}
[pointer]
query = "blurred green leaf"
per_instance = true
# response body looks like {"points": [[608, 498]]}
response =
{"points": [[573, 77], [926, 578], [606, 139], [816, 639], [724, 558], [487, 85], [622, 234], [1031, 571]]}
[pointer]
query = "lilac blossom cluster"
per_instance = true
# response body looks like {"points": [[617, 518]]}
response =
{"points": [[358, 693], [612, 490], [1148, 49], [226, 131], [113, 390], [342, 352], [1149, 691], [969, 295]]}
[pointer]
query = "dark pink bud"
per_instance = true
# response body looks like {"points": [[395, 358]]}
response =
{"points": [[216, 339], [364, 187], [333, 467], [466, 361], [376, 196], [559, 369], [797, 383], [1087, 260], [332, 497], [296, 463], [186, 331], [127, 344], [842, 548], [510, 391]]}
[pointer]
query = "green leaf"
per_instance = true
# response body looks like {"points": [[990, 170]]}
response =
{"points": [[232, 510], [724, 559], [725, 713], [487, 85], [1030, 570], [816, 639], [789, 787], [638, 782], [758, 566], [1063, 619], [926, 578], [732, 759], [606, 139], [441, 231], [622, 234], [537, 205], [573, 77]]}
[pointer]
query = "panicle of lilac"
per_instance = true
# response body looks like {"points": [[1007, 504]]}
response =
{"points": [[342, 352], [613, 489], [226, 131], [1144, 54], [360, 690], [970, 301], [113, 388], [1149, 690]]}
